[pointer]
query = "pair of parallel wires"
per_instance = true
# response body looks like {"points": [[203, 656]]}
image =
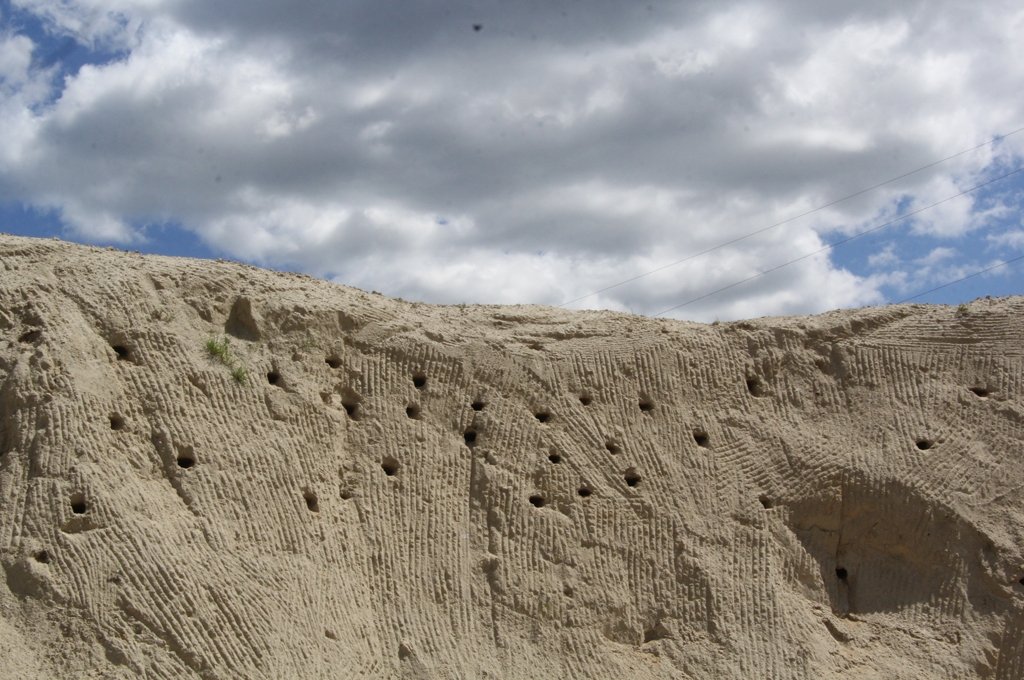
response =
{"points": [[838, 243]]}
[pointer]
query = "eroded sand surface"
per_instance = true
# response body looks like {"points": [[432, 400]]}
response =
{"points": [[401, 490]]}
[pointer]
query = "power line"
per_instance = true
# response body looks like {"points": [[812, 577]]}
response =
{"points": [[840, 242], [712, 249], [962, 278]]}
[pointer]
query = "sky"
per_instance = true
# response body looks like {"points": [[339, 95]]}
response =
{"points": [[655, 158]]}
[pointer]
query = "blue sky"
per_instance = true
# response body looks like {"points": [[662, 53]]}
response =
{"points": [[559, 150]]}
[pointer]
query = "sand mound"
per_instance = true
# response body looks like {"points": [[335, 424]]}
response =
{"points": [[214, 471]]}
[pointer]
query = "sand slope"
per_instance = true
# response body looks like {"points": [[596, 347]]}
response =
{"points": [[401, 490]]}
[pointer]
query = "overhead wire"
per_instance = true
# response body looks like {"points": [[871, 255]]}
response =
{"points": [[762, 230], [840, 242], [962, 278]]}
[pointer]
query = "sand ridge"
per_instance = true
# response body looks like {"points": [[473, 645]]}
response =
{"points": [[358, 486]]}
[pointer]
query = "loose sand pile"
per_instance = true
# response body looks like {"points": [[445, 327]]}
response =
{"points": [[209, 470]]}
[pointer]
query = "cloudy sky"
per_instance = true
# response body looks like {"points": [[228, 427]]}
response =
{"points": [[534, 151]]}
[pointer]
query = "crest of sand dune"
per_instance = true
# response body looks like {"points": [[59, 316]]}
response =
{"points": [[209, 470]]}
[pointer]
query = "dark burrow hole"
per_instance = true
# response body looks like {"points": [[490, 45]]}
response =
{"points": [[122, 352], [766, 502], [646, 405], [584, 491], [273, 377], [116, 422], [389, 466], [701, 437], [586, 399], [656, 632], [632, 477], [555, 458], [470, 437], [755, 387], [841, 573], [1021, 581], [925, 444], [419, 380], [413, 411], [478, 405], [42, 556], [333, 361], [186, 460], [980, 391], [568, 591], [30, 336], [612, 447], [542, 416], [311, 501], [78, 505], [347, 495], [351, 407], [537, 501]]}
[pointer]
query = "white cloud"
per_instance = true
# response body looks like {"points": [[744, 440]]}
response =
{"points": [[553, 153]]}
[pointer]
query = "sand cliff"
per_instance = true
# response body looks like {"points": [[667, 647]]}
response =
{"points": [[210, 470]]}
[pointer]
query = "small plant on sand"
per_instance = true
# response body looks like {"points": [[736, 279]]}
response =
{"points": [[218, 349], [962, 310]]}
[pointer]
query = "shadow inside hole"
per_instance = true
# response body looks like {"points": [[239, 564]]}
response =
{"points": [[470, 437], [312, 503], [333, 361], [537, 501], [543, 416], [419, 381], [347, 495], [841, 573], [702, 439], [478, 405], [116, 422], [584, 491], [1021, 581], [78, 504], [186, 460], [42, 556], [646, 405], [755, 386], [122, 352], [30, 336], [612, 448], [925, 444], [390, 466], [586, 399], [413, 411], [273, 377], [980, 391], [555, 458], [632, 477], [766, 502]]}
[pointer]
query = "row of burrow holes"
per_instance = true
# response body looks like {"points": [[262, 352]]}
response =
{"points": [[390, 465]]}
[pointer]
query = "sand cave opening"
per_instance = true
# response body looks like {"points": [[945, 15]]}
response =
{"points": [[116, 421], [413, 411], [333, 361], [312, 503], [478, 405], [390, 466], [469, 436], [78, 504], [646, 405], [701, 438], [554, 458], [122, 352], [586, 399], [632, 477], [537, 501], [419, 380], [273, 377], [584, 491], [924, 444], [542, 416]]}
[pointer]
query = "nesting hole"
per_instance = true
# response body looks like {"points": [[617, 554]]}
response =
{"points": [[586, 399], [568, 591], [186, 460], [701, 437], [116, 422], [766, 502], [419, 381], [390, 466], [351, 405], [78, 505], [478, 405], [755, 386], [30, 336], [555, 458], [980, 391], [469, 436], [632, 477], [42, 556], [841, 573], [925, 444], [333, 361], [612, 448], [584, 491], [330, 634], [347, 495], [273, 377], [543, 416], [537, 501], [413, 411], [311, 501], [1021, 581], [646, 405], [122, 352]]}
